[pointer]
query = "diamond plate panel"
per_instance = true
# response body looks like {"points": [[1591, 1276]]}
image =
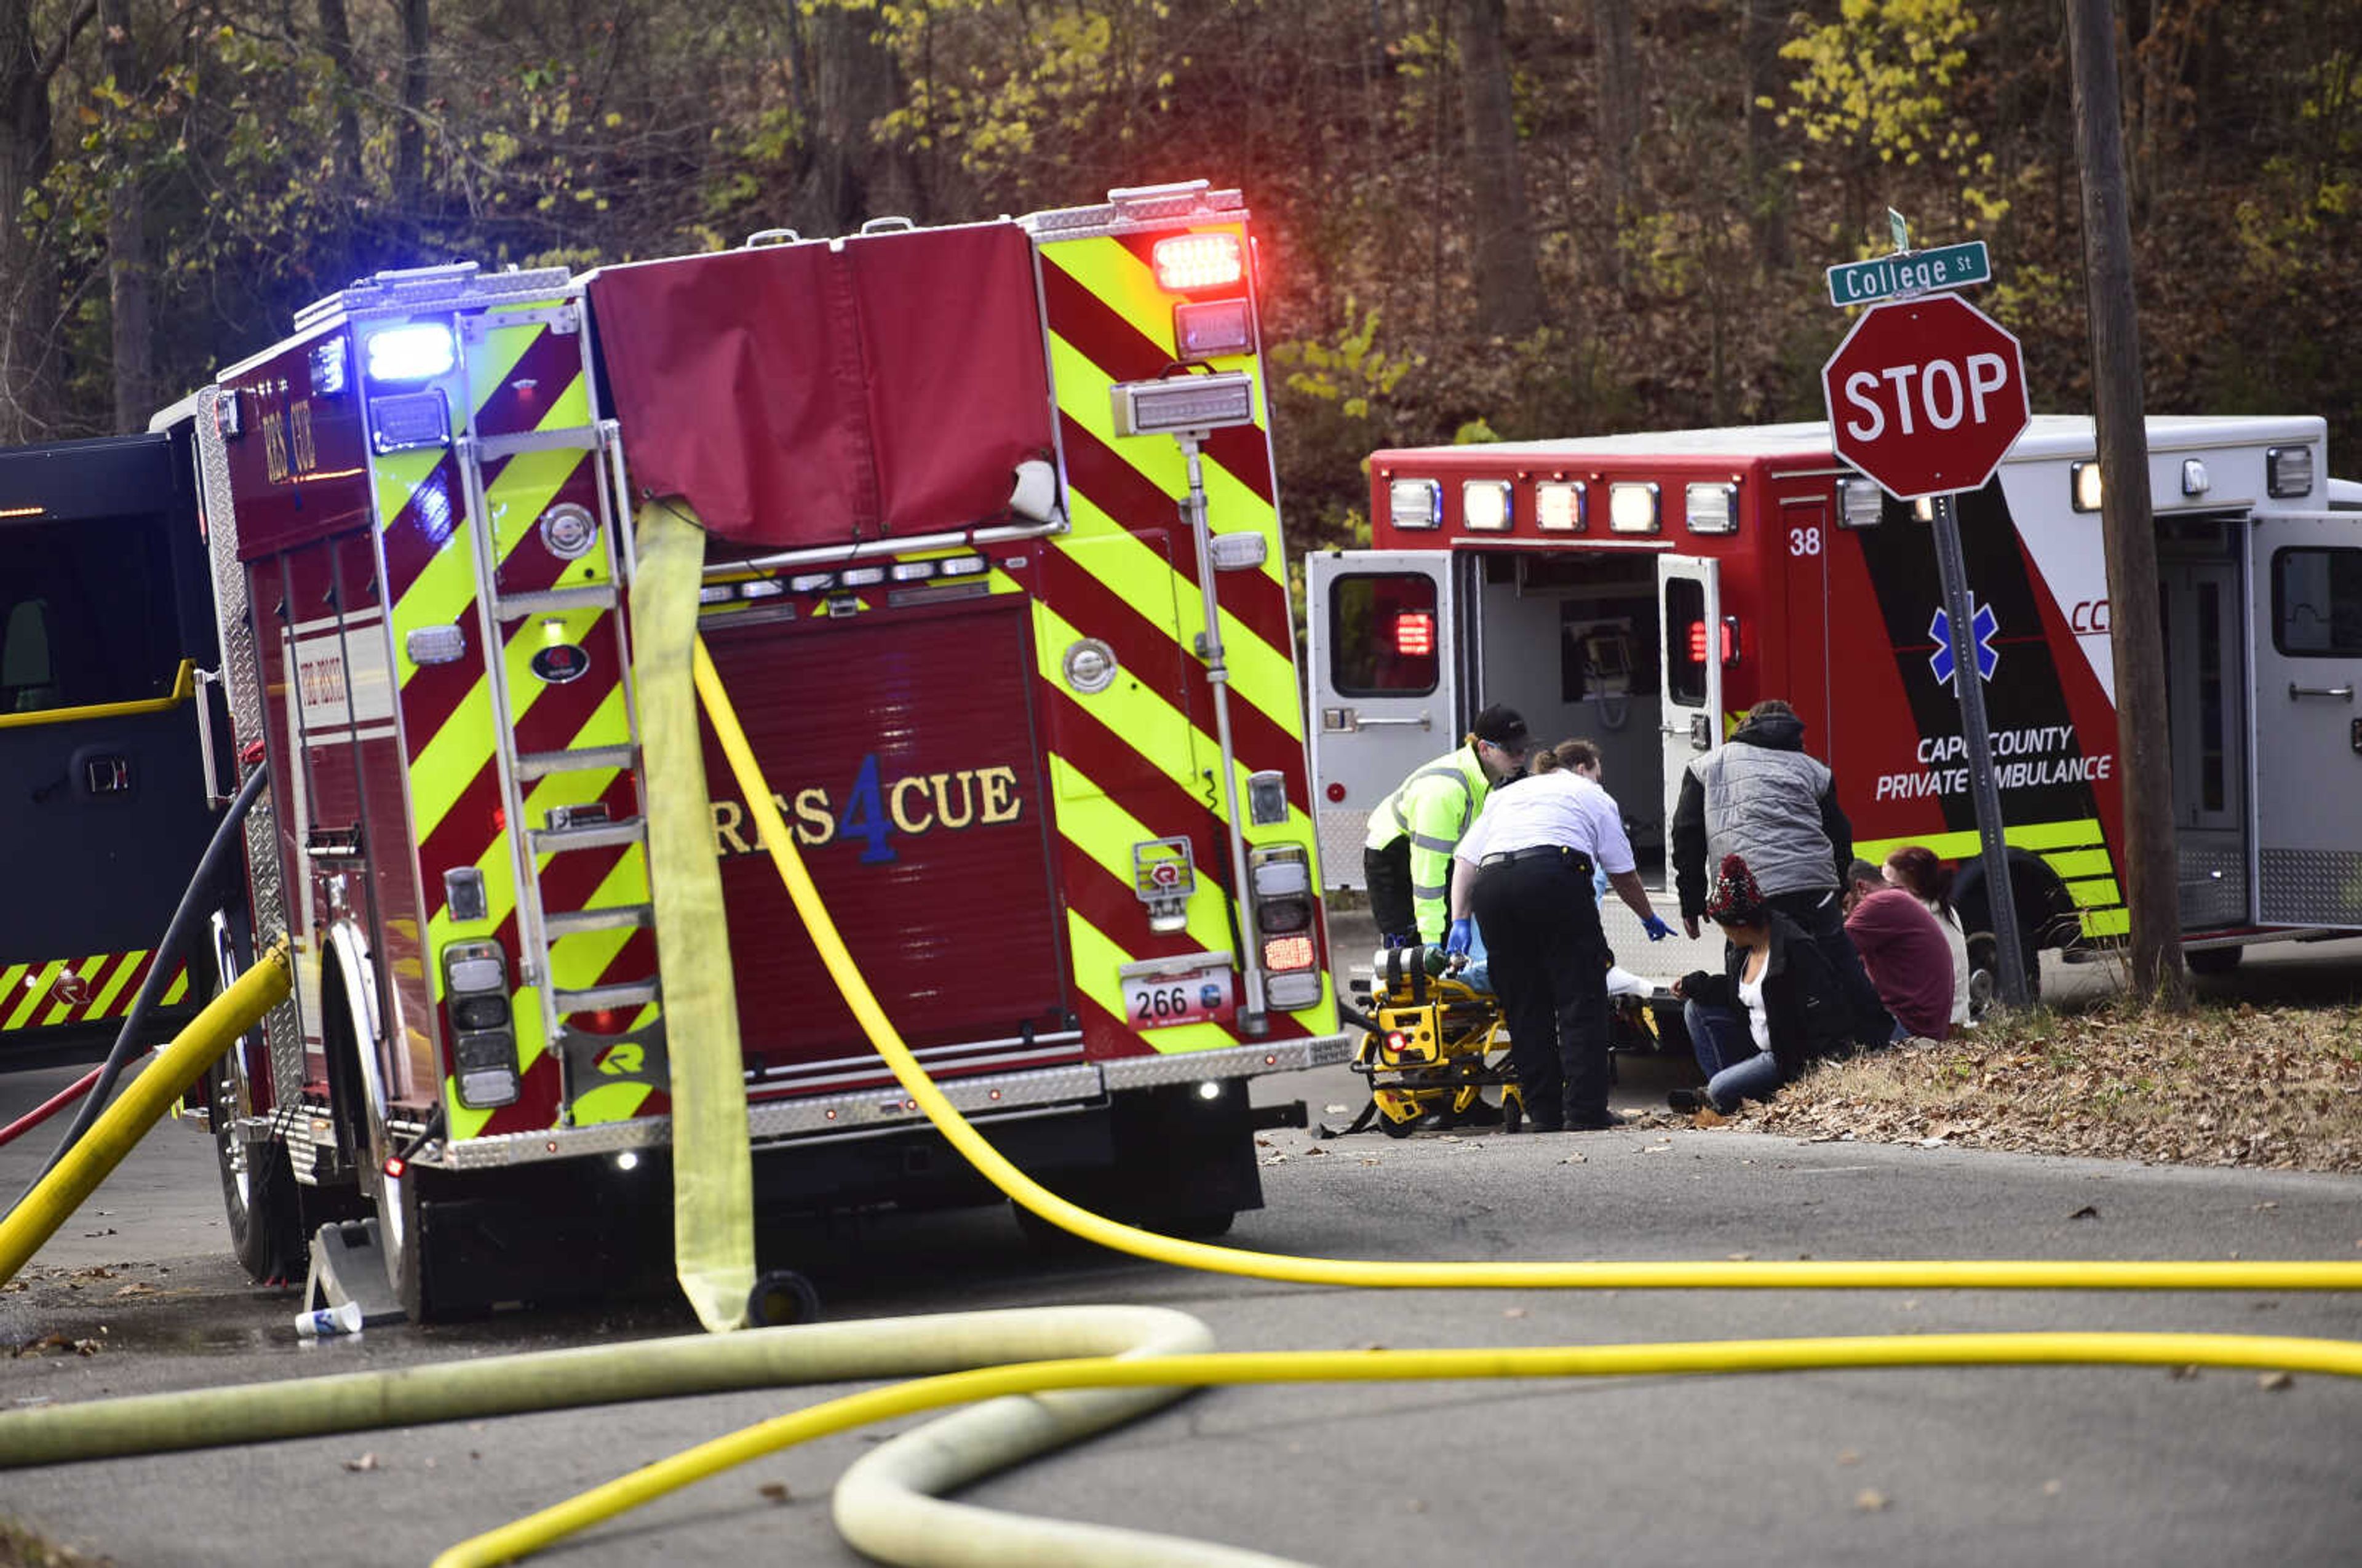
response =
{"points": [[1236, 1062], [2311, 887], [2213, 886], [1342, 837], [234, 625]]}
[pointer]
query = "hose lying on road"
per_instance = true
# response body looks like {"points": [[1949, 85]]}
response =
{"points": [[878, 1504]]}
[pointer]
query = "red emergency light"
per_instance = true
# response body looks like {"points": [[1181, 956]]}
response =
{"points": [[1729, 649], [1187, 263], [1415, 633]]}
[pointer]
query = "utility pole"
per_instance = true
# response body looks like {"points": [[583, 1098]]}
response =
{"points": [[2150, 868]]}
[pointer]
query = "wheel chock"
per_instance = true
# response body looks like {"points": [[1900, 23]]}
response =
{"points": [[349, 1266]]}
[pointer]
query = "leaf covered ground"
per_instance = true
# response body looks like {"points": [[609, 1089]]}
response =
{"points": [[2233, 1084]]}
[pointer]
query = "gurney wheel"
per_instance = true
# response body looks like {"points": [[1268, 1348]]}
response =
{"points": [[1393, 1129], [1513, 1113]]}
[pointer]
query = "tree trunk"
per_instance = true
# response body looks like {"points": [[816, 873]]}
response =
{"points": [[337, 38], [1767, 189], [1618, 119], [130, 275], [410, 131], [1507, 276], [29, 302], [2152, 894], [853, 83]]}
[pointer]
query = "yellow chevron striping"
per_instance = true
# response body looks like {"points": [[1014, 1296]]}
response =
{"points": [[86, 969], [2107, 922], [2080, 863], [2096, 893], [1103, 830], [1260, 673], [1131, 711], [177, 989], [1096, 959], [493, 354], [1231, 506], [2076, 832], [123, 973], [10, 978], [41, 981]]}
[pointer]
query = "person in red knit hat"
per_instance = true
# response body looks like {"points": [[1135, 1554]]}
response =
{"points": [[1776, 1006]]}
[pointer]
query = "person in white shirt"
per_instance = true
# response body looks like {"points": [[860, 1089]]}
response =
{"points": [[1524, 868]]}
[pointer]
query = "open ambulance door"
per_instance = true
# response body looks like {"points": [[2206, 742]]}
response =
{"points": [[1385, 686], [2304, 576], [1689, 608]]}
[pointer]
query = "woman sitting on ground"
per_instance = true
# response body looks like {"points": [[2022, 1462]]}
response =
{"points": [[1774, 1009], [1915, 870]]}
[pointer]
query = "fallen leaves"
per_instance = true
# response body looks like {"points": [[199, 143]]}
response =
{"points": [[2270, 1088]]}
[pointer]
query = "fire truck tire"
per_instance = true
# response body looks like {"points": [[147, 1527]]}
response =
{"points": [[259, 1194], [782, 1297], [259, 1198]]}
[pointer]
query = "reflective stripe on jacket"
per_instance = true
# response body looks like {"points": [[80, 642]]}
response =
{"points": [[1433, 807]]}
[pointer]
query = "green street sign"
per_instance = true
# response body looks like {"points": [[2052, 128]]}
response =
{"points": [[1899, 229], [1916, 271]]}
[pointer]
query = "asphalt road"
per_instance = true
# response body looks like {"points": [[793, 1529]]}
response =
{"points": [[2094, 1466]]}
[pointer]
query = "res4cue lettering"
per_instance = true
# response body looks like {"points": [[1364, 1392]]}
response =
{"points": [[876, 809]]}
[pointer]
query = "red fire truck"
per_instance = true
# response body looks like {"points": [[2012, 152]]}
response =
{"points": [[993, 574], [1645, 590]]}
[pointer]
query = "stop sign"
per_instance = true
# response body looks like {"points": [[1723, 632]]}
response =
{"points": [[1925, 395]]}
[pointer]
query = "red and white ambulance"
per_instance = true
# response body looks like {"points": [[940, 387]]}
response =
{"points": [[1645, 590]]}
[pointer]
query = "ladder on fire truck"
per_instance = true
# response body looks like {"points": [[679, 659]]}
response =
{"points": [[564, 830]]}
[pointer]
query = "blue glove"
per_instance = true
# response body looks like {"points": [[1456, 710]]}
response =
{"points": [[1456, 943], [1656, 929]]}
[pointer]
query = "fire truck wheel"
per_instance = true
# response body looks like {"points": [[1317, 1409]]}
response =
{"points": [[1048, 1240], [1201, 1227], [258, 1187], [259, 1192], [782, 1297]]}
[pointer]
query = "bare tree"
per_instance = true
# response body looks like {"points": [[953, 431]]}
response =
{"points": [[28, 371], [410, 130], [129, 273], [850, 82], [1508, 280], [1766, 190], [337, 37]]}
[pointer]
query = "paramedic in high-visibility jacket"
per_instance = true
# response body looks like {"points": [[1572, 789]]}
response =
{"points": [[1407, 860]]}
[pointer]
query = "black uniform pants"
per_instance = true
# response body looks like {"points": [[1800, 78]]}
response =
{"points": [[1387, 873], [1822, 915], [1549, 968]]}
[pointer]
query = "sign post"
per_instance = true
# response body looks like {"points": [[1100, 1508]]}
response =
{"points": [[1925, 395]]}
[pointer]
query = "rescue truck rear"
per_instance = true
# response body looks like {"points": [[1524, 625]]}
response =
{"points": [[992, 574], [1645, 590], [105, 626]]}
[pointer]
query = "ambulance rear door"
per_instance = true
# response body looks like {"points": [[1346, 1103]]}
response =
{"points": [[1689, 608], [2304, 571], [1385, 686]]}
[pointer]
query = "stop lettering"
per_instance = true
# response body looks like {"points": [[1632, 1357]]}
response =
{"points": [[1925, 395]]}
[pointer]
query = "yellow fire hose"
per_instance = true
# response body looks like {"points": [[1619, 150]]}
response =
{"points": [[879, 1504], [144, 1100]]}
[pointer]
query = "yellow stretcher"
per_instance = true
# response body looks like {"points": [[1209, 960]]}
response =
{"points": [[1434, 1045]]}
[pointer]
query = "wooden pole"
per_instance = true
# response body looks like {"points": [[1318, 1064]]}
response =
{"points": [[2149, 866]]}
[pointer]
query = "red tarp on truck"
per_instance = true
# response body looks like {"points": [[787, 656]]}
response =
{"points": [[825, 391]]}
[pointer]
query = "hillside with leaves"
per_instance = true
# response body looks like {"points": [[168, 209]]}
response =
{"points": [[1525, 219]]}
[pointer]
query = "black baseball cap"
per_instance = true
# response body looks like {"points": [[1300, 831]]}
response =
{"points": [[1501, 726]]}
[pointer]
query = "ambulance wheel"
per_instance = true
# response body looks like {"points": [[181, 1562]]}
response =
{"points": [[782, 1297], [2214, 960]]}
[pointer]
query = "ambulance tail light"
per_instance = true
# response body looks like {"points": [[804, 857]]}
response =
{"points": [[1727, 650], [1280, 889], [1415, 633], [1860, 504], [1186, 263], [484, 1033]]}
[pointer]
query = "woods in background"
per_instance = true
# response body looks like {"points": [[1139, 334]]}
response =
{"points": [[1477, 217]]}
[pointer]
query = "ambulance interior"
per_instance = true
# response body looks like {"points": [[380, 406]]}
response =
{"points": [[1570, 640]]}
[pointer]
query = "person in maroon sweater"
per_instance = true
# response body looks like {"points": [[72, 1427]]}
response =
{"points": [[1904, 951]]}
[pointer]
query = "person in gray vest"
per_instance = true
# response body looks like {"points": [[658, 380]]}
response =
{"points": [[1759, 796]]}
